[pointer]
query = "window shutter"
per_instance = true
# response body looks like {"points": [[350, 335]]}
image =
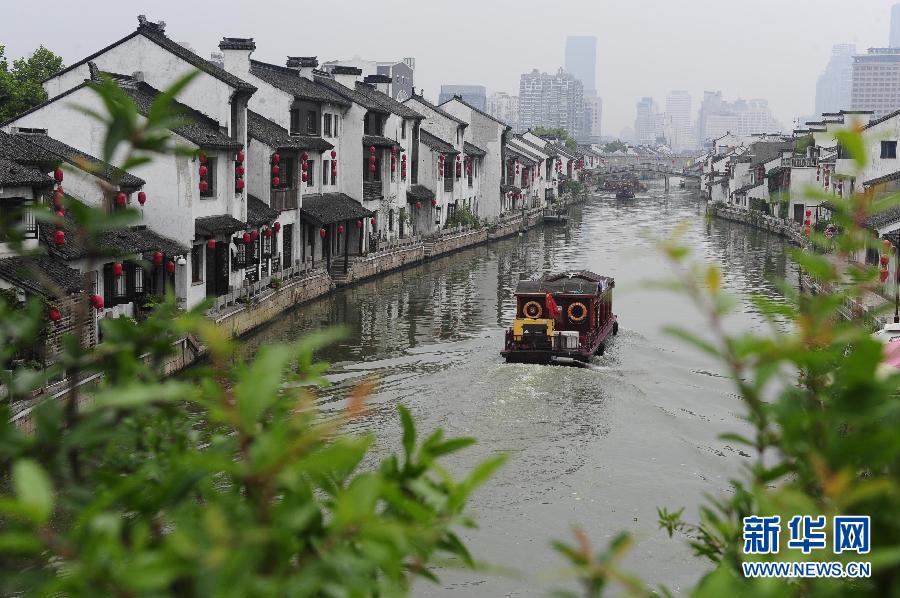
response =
{"points": [[108, 285]]}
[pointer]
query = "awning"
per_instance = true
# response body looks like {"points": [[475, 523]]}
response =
{"points": [[210, 226], [382, 142], [419, 193], [258, 213], [328, 208]]}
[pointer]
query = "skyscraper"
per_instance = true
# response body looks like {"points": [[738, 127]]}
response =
{"points": [[552, 101], [647, 122], [581, 61], [593, 115], [833, 85], [740, 117], [875, 84], [474, 95], [505, 107], [678, 120], [895, 26]]}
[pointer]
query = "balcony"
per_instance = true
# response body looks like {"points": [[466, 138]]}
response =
{"points": [[371, 190], [799, 162], [285, 199]]}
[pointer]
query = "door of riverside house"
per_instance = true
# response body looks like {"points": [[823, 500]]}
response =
{"points": [[287, 259], [211, 271], [222, 268], [798, 213]]}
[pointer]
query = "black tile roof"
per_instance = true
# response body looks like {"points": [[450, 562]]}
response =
{"points": [[13, 147], [387, 102], [473, 150], [478, 110], [884, 218], [289, 81], [440, 111], [578, 282], [380, 141], [197, 127], [893, 176], [547, 148], [766, 151], [40, 275], [210, 226], [877, 121], [328, 208], [81, 160], [13, 174], [522, 158], [237, 43], [747, 187], [419, 193], [115, 242], [154, 33], [351, 95], [277, 137], [436, 143], [258, 213], [509, 189]]}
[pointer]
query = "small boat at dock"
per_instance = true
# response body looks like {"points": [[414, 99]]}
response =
{"points": [[564, 319], [556, 215]]}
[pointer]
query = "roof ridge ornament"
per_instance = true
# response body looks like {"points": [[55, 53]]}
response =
{"points": [[144, 23]]}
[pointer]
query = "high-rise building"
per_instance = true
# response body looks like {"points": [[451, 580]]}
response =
{"points": [[474, 95], [833, 85], [581, 61], [648, 122], [894, 41], [552, 100], [741, 117], [679, 133], [593, 114], [401, 72], [504, 107], [875, 81]]}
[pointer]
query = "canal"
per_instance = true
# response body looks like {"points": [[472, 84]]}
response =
{"points": [[598, 448]]}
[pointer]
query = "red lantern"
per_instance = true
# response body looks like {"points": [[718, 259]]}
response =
{"points": [[305, 156], [433, 202], [58, 194], [268, 232], [240, 157], [276, 158], [808, 213], [322, 232], [254, 235], [884, 260], [142, 198], [883, 275], [239, 171], [403, 158], [807, 222], [418, 205], [97, 302], [121, 199], [340, 229], [203, 186], [393, 150], [277, 226], [117, 269], [371, 149], [359, 224], [202, 158], [246, 237], [203, 171], [304, 178], [333, 154], [305, 166], [58, 175], [275, 169], [157, 257], [60, 213], [54, 314], [276, 181], [373, 220], [211, 244], [239, 184], [371, 168], [170, 266], [59, 237]]}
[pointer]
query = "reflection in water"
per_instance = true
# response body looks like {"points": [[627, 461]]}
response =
{"points": [[600, 447]]}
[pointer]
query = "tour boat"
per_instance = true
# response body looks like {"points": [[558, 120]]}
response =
{"points": [[561, 318], [556, 215], [625, 193]]}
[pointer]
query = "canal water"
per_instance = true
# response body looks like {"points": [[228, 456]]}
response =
{"points": [[597, 448]]}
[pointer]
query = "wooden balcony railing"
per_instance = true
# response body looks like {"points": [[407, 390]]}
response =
{"points": [[371, 189], [285, 199]]}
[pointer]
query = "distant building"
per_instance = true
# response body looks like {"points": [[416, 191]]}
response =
{"points": [[833, 85], [679, 133], [581, 61], [648, 122], [593, 114], [741, 117], [894, 41], [552, 100], [474, 95], [876, 81], [401, 72], [504, 107]]}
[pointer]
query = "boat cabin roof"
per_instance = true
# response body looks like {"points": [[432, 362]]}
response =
{"points": [[577, 282]]}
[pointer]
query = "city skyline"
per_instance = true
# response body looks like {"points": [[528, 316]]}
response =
{"points": [[627, 70]]}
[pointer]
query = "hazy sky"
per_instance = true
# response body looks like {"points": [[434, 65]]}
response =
{"points": [[771, 49]]}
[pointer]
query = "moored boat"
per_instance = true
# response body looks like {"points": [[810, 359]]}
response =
{"points": [[625, 194], [556, 215], [561, 318]]}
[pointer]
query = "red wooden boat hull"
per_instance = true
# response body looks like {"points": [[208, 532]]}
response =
{"points": [[590, 346]]}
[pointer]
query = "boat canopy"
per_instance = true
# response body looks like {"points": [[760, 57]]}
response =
{"points": [[577, 282]]}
